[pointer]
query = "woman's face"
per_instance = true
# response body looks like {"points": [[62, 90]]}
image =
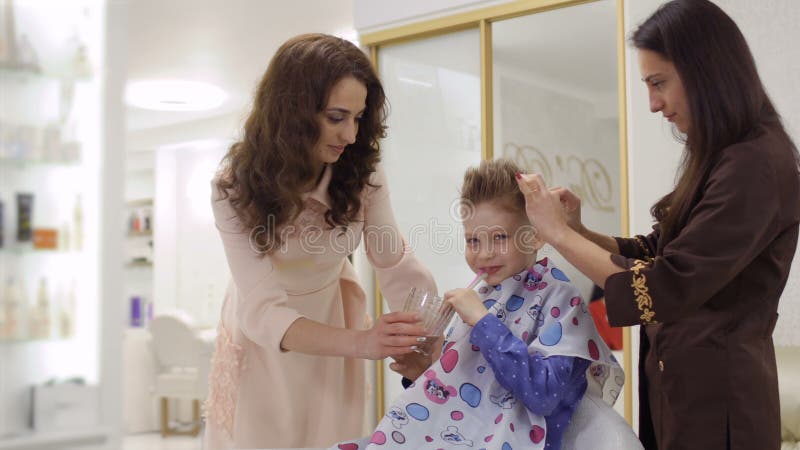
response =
{"points": [[496, 244], [665, 88], [338, 120]]}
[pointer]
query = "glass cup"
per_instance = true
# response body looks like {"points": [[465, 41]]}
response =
{"points": [[434, 314]]}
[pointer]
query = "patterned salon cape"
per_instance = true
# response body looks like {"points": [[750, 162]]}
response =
{"points": [[457, 403]]}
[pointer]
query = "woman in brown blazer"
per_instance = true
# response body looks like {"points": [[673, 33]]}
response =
{"points": [[705, 283]]}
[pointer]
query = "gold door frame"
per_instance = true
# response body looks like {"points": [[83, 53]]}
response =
{"points": [[483, 19]]}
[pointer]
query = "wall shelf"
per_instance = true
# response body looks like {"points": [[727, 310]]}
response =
{"points": [[139, 263], [32, 340], [139, 202], [140, 233], [55, 439], [29, 162], [62, 143], [23, 73], [20, 250]]}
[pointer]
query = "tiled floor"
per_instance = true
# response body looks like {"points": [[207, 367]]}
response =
{"points": [[154, 441]]}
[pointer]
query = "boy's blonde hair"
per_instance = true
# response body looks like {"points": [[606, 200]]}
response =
{"points": [[493, 181]]}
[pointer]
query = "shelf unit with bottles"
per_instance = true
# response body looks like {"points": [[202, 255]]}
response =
{"points": [[60, 170], [139, 233]]}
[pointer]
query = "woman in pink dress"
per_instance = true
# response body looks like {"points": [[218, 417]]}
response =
{"points": [[291, 201]]}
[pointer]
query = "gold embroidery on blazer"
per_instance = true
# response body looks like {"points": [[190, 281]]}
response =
{"points": [[647, 256], [643, 300]]}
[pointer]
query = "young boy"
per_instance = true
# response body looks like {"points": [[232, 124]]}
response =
{"points": [[514, 365]]}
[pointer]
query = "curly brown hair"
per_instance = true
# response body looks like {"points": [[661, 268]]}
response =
{"points": [[265, 173], [493, 181]]}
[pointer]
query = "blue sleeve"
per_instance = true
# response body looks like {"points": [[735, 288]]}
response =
{"points": [[541, 383]]}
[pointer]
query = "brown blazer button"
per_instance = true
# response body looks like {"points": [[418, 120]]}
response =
{"points": [[660, 366]]}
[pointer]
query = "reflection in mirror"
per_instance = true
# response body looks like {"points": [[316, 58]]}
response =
{"points": [[433, 87], [556, 108], [556, 113]]}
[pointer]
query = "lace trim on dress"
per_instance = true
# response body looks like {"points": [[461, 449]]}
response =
{"points": [[227, 365], [310, 220]]}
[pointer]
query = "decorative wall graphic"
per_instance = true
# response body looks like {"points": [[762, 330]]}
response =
{"points": [[588, 178]]}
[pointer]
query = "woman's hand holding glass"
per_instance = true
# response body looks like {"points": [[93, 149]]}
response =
{"points": [[394, 334], [414, 364]]}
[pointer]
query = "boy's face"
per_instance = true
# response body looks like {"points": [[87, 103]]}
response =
{"points": [[499, 242]]}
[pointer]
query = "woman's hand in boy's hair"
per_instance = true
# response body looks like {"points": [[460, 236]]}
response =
{"points": [[545, 209], [571, 204], [467, 304], [412, 365]]}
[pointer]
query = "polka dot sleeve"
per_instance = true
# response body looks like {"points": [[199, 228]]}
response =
{"points": [[541, 383]]}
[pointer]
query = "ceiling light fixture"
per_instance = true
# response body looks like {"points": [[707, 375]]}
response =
{"points": [[174, 95]]}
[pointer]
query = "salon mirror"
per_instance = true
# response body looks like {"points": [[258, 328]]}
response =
{"points": [[556, 108], [551, 105]]}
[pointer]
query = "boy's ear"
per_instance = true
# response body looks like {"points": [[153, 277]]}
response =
{"points": [[531, 238]]}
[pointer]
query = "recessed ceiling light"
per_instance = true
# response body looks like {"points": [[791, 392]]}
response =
{"points": [[174, 95]]}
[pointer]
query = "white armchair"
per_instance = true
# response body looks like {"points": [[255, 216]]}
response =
{"points": [[183, 361], [595, 425]]}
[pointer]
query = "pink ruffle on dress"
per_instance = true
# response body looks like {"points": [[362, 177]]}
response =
{"points": [[227, 364]]}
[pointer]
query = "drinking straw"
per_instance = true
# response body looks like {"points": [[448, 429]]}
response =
{"points": [[446, 312], [478, 278]]}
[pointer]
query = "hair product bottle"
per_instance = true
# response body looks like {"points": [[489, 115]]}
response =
{"points": [[77, 225], [40, 315], [15, 310], [66, 313]]}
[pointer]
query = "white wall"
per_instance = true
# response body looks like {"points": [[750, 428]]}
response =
{"points": [[113, 146], [189, 265], [770, 28]]}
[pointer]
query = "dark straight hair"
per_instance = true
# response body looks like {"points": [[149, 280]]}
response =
{"points": [[727, 101]]}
